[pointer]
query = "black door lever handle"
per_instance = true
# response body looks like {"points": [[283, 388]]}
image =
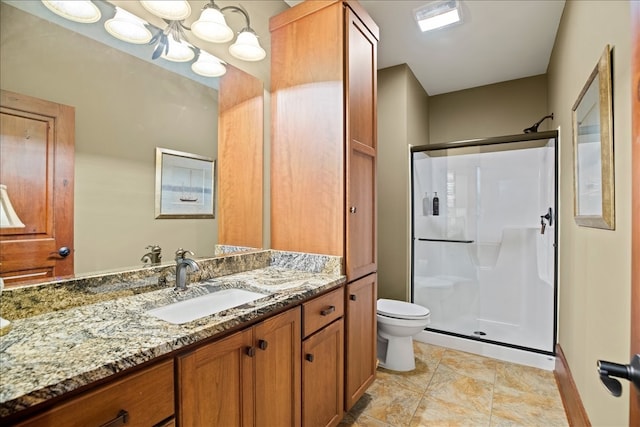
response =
{"points": [[608, 370]]}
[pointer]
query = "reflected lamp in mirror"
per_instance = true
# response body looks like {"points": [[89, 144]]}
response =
{"points": [[83, 11], [8, 216], [208, 65], [128, 27]]}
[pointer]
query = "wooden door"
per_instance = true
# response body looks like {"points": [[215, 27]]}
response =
{"points": [[215, 384], [277, 370], [37, 166], [322, 377], [634, 412], [361, 48], [360, 329]]}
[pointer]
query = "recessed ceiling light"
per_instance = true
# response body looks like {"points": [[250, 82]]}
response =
{"points": [[438, 14]]}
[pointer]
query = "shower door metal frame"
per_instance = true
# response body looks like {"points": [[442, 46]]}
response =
{"points": [[524, 137]]}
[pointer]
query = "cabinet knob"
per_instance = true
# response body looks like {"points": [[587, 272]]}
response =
{"points": [[251, 351], [353, 209], [309, 357], [262, 344], [121, 419], [352, 297], [327, 311]]}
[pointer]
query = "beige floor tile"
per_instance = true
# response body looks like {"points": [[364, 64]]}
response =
{"points": [[525, 378], [362, 421], [518, 408], [417, 380], [471, 365], [438, 413], [452, 387], [391, 403]]}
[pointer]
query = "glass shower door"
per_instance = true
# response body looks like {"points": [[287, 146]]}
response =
{"points": [[483, 263]]}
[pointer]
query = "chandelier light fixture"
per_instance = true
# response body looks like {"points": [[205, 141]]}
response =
{"points": [[171, 43]]}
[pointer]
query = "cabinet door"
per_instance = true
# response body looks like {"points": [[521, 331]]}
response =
{"points": [[322, 377], [216, 383], [277, 370], [361, 148], [360, 359]]}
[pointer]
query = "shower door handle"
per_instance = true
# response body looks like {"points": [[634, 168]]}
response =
{"points": [[549, 217]]}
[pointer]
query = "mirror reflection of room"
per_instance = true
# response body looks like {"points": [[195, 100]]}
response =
{"points": [[141, 106]]}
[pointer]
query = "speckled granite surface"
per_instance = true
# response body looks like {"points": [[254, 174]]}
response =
{"points": [[53, 352]]}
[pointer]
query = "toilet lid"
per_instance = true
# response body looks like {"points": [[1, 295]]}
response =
{"points": [[401, 309]]}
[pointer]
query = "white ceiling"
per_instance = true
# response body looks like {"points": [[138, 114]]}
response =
{"points": [[498, 40]]}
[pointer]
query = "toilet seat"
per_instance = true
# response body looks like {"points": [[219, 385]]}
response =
{"points": [[401, 310]]}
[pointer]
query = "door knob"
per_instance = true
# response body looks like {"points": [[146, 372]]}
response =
{"points": [[63, 252], [608, 370]]}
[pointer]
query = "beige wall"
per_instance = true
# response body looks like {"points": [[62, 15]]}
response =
{"points": [[594, 264], [403, 109], [499, 109], [125, 107]]}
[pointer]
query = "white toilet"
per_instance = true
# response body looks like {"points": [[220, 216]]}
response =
{"points": [[398, 322]]}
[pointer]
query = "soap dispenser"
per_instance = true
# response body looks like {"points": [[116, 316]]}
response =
{"points": [[426, 206], [436, 204]]}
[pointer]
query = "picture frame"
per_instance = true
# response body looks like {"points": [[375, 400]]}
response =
{"points": [[185, 185], [592, 123]]}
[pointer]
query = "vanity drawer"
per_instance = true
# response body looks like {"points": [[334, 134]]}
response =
{"points": [[146, 397], [321, 311]]}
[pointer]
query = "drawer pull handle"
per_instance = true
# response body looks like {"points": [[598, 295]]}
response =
{"points": [[353, 209], [251, 351], [309, 357], [328, 311], [120, 420], [352, 297], [262, 344]]}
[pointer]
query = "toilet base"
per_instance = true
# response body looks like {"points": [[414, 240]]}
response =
{"points": [[396, 353]]}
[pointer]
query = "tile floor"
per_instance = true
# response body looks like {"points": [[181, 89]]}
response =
{"points": [[452, 388]]}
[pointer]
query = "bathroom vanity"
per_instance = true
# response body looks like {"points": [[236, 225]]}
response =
{"points": [[111, 361]]}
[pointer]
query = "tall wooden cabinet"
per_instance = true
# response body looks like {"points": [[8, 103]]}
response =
{"points": [[323, 156]]}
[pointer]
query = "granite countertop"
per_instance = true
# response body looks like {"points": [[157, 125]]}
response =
{"points": [[50, 354]]}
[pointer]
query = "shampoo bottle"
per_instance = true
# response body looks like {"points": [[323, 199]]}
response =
{"points": [[426, 206], [436, 204]]}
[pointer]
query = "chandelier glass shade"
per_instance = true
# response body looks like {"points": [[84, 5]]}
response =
{"points": [[168, 9], [212, 27], [128, 27], [208, 65], [170, 43], [83, 11]]}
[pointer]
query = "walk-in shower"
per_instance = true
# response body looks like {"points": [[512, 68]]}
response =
{"points": [[484, 262]]}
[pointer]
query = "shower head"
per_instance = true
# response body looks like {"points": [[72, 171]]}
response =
{"points": [[534, 128]]}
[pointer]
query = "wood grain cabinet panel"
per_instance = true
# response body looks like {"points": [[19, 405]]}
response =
{"points": [[144, 398], [322, 377], [323, 153], [251, 378], [360, 351]]}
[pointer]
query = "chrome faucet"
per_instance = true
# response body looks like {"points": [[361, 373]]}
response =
{"points": [[152, 257], [181, 268]]}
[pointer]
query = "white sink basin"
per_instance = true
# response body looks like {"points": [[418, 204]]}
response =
{"points": [[206, 305]]}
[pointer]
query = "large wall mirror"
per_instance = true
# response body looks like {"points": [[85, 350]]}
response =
{"points": [[125, 107]]}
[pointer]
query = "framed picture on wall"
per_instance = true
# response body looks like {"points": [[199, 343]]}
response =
{"points": [[592, 122], [185, 185]]}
